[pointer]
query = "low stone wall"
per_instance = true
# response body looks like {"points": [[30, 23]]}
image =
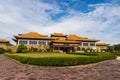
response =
{"points": [[3, 46], [13, 48]]}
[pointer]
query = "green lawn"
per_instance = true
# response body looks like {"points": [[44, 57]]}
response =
{"points": [[43, 55]]}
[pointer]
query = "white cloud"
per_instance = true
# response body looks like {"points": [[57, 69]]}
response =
{"points": [[96, 24], [22, 16]]}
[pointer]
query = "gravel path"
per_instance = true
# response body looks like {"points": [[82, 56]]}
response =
{"points": [[11, 70]]}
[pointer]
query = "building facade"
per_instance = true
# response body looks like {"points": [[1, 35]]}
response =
{"points": [[3, 43], [58, 41]]}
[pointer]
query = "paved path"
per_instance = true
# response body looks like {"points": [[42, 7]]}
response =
{"points": [[11, 70]]}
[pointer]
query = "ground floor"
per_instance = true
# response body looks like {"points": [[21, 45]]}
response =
{"points": [[65, 48], [59, 48], [18, 71]]}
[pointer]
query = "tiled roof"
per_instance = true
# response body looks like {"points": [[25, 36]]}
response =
{"points": [[32, 35], [91, 40], [64, 41], [78, 38], [58, 35], [74, 37], [69, 38], [14, 39], [4, 41], [101, 44]]}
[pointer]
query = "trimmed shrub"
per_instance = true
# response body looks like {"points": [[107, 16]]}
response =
{"points": [[61, 60], [86, 53], [2, 51], [118, 54], [22, 49]]}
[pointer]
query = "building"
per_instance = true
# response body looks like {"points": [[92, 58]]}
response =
{"points": [[57, 41], [3, 43], [101, 46]]}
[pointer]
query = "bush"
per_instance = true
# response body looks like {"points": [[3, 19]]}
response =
{"points": [[50, 49], [2, 51], [9, 50], [118, 54], [61, 61], [22, 48], [32, 49]]}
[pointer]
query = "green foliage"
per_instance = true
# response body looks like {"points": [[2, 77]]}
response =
{"points": [[32, 49], [50, 49], [22, 49], [117, 48], [60, 59], [2, 51], [110, 48], [114, 48], [118, 54], [83, 49], [86, 53]]}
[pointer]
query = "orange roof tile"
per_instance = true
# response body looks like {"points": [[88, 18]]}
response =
{"points": [[4, 41], [58, 35], [32, 35], [102, 44], [78, 38], [91, 40], [74, 37], [35, 34], [64, 41]]}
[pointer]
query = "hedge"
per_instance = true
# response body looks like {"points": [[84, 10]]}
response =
{"points": [[61, 61], [2, 51], [86, 53], [118, 54]]}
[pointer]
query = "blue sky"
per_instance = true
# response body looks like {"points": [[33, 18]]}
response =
{"points": [[99, 19]]}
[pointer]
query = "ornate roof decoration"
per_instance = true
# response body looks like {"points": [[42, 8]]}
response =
{"points": [[58, 35]]}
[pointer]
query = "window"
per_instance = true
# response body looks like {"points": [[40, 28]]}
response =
{"points": [[80, 44], [92, 44], [32, 42], [85, 44], [42, 43], [22, 42], [48, 43]]}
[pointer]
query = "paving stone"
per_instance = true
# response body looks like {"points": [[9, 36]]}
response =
{"points": [[11, 70]]}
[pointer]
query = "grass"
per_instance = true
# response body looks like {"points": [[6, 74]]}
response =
{"points": [[36, 55], [56, 59]]}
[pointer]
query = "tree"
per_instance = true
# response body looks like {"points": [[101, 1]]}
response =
{"points": [[110, 48], [21, 49], [117, 48]]}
